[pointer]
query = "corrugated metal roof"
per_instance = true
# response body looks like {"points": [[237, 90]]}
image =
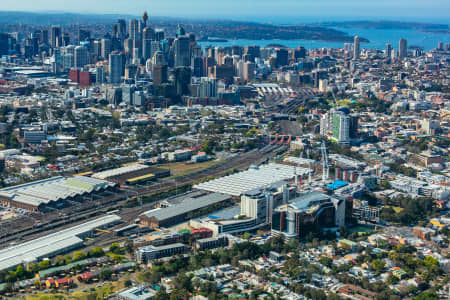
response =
{"points": [[254, 178], [49, 244], [118, 171], [187, 205], [53, 189]]}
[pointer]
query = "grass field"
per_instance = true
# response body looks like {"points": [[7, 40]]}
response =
{"points": [[183, 168], [101, 292], [396, 209]]}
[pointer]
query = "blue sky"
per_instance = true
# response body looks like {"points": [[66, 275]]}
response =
{"points": [[254, 9]]}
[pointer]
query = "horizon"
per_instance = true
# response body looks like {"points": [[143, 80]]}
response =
{"points": [[300, 19], [284, 11]]}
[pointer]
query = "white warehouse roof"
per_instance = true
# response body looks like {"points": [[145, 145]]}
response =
{"points": [[254, 178], [50, 244], [119, 171], [53, 189]]}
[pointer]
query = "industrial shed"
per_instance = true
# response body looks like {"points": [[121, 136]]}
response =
{"points": [[52, 192], [255, 178], [164, 217], [53, 244], [132, 173]]}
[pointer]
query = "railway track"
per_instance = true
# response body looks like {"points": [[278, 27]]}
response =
{"points": [[85, 211]]}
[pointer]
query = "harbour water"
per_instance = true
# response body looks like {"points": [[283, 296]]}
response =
{"points": [[377, 37]]}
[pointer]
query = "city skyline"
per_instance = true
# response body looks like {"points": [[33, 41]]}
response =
{"points": [[282, 11]]}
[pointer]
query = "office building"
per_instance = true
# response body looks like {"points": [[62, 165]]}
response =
{"points": [[159, 72], [306, 214], [4, 43], [402, 48], [121, 28], [182, 80], [115, 68], [282, 57], [181, 52], [83, 35], [211, 243], [159, 35], [100, 77], [208, 87], [106, 45], [148, 33], [146, 49], [356, 47], [55, 36], [252, 52], [128, 93], [249, 71], [68, 61], [197, 66], [133, 29], [388, 51], [257, 205], [81, 57], [339, 125], [147, 253]]}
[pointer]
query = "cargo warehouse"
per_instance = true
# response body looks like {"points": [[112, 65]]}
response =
{"points": [[132, 174], [55, 192], [53, 244], [178, 213]]}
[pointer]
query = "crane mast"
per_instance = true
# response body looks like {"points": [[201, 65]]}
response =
{"points": [[325, 169]]}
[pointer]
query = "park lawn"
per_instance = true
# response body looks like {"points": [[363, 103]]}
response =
{"points": [[396, 209], [183, 168], [101, 292]]}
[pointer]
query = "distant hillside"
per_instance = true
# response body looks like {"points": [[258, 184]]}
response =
{"points": [[221, 29], [387, 25]]}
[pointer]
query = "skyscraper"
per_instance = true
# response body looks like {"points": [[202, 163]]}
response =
{"points": [[83, 35], [81, 57], [182, 51], [282, 57], [402, 48], [55, 36], [44, 36], [115, 68], [388, 51], [249, 70], [159, 34], [106, 48], [121, 28], [4, 43], [146, 49], [148, 33], [133, 29], [100, 75], [356, 47], [208, 87], [337, 125]]}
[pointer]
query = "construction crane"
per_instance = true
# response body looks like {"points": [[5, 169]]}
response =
{"points": [[297, 179], [325, 169], [309, 167]]}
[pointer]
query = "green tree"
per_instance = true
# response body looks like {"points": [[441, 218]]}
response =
{"points": [[430, 261], [427, 295], [79, 255], [377, 265], [96, 252], [106, 274], [115, 248]]}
